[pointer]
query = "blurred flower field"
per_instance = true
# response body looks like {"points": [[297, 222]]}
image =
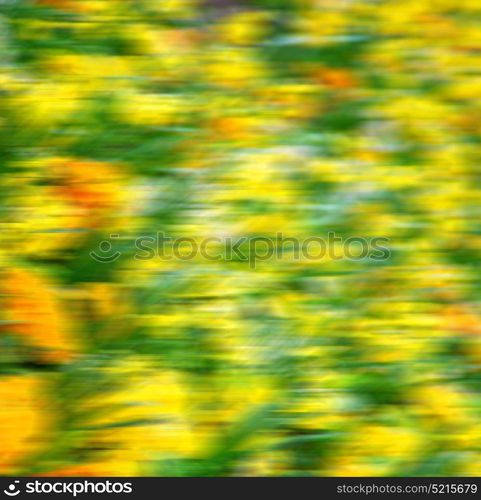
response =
{"points": [[217, 118]]}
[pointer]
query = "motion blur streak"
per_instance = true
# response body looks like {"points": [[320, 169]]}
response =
{"points": [[227, 119]]}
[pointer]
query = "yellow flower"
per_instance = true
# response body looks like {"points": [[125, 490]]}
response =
{"points": [[242, 394], [181, 9], [42, 225], [319, 25], [23, 422], [151, 109], [266, 463], [106, 464], [234, 68], [46, 103], [154, 404], [244, 28], [293, 100], [375, 450], [93, 72], [441, 403], [470, 466]]}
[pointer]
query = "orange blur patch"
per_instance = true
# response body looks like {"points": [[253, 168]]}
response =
{"points": [[337, 78], [60, 4], [232, 128], [36, 315], [92, 186]]}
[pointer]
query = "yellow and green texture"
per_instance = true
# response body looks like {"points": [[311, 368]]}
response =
{"points": [[240, 118]]}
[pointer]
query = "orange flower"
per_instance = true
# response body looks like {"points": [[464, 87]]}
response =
{"points": [[337, 78], [36, 315], [233, 127], [68, 4], [461, 319], [92, 186]]}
